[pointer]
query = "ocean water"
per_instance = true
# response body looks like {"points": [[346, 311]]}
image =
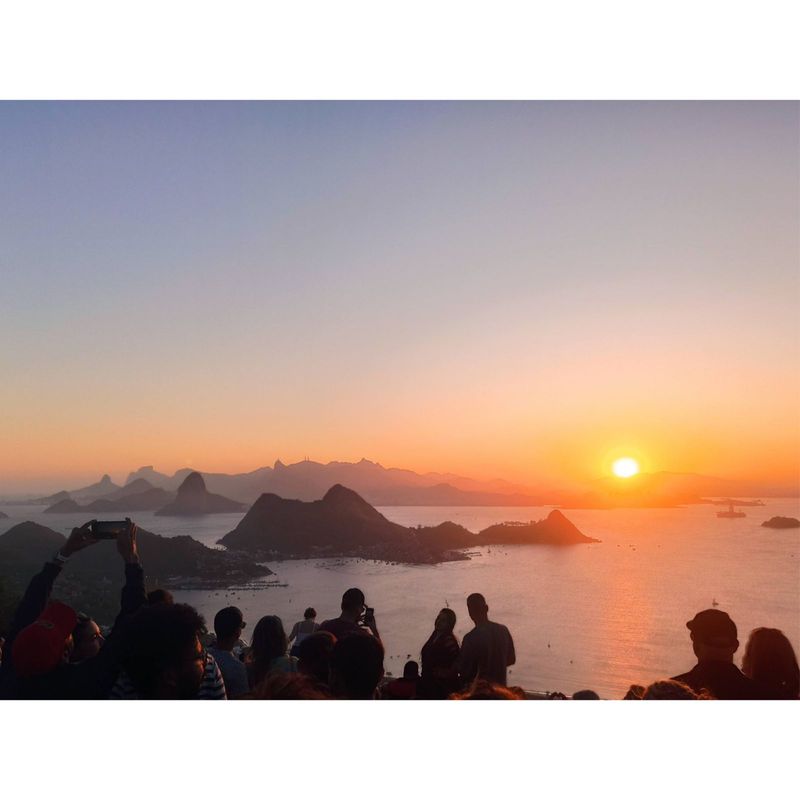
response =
{"points": [[599, 616]]}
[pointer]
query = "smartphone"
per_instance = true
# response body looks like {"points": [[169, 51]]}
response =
{"points": [[369, 614], [109, 530]]}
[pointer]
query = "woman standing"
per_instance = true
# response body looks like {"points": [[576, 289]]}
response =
{"points": [[439, 656], [303, 629], [268, 651]]}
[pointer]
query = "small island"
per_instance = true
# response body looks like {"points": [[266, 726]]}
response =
{"points": [[781, 522]]}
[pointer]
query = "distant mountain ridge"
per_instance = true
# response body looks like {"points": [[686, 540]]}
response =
{"points": [[382, 486]]}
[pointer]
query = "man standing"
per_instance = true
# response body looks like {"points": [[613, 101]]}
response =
{"points": [[348, 622], [488, 649], [228, 625], [714, 641]]}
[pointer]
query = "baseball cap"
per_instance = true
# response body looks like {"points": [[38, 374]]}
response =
{"points": [[714, 628], [39, 648]]}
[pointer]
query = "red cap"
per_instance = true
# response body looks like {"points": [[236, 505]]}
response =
{"points": [[39, 648]]}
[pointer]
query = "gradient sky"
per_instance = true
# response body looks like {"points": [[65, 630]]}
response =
{"points": [[517, 290]]}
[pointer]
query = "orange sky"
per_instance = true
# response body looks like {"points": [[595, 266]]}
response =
{"points": [[500, 290]]}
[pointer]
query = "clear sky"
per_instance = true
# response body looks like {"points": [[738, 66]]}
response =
{"points": [[516, 290]]}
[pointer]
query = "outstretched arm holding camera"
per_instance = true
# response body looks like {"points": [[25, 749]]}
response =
{"points": [[94, 676]]}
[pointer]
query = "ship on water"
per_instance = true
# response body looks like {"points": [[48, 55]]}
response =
{"points": [[731, 513]]}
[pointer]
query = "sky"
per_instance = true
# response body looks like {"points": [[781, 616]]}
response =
{"points": [[520, 290]]}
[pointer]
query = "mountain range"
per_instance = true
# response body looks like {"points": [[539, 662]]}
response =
{"points": [[382, 486]]}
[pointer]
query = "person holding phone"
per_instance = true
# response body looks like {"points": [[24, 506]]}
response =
{"points": [[356, 617], [37, 654]]}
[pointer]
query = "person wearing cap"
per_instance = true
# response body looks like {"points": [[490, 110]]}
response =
{"points": [[349, 621], [228, 626], [36, 663], [714, 640]]}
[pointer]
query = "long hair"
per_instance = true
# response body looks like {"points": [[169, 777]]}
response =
{"points": [[268, 642], [769, 659]]}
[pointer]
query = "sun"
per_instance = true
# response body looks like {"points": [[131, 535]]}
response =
{"points": [[625, 467]]}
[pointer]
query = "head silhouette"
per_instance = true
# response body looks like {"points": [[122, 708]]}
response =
{"points": [[477, 608], [356, 667], [310, 613], [269, 642], [482, 689], [162, 652], [228, 624], [445, 620], [352, 604], [769, 659], [314, 655], [713, 635], [671, 690]]}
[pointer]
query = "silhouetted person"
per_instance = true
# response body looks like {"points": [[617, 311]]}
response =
{"points": [[404, 688], [635, 692], [164, 659], [160, 596], [302, 629], [41, 641], [586, 694], [314, 657], [356, 667], [440, 657], [488, 649], [268, 651], [228, 626], [714, 642], [770, 661], [672, 690], [481, 689], [289, 686], [354, 612]]}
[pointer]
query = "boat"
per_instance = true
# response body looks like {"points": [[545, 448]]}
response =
{"points": [[730, 513]]}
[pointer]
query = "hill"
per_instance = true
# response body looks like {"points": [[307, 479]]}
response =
{"points": [[91, 579], [65, 506], [344, 524], [194, 499], [555, 529]]}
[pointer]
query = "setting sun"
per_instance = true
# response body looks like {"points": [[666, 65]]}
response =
{"points": [[625, 467]]}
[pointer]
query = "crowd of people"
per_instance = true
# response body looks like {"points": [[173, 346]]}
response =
{"points": [[160, 649]]}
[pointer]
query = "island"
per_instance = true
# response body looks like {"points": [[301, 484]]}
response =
{"points": [[781, 522], [194, 500], [343, 524]]}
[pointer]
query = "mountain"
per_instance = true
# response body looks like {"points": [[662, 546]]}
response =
{"points": [[194, 499], [148, 500], [3, 516], [65, 506], [344, 524], [85, 494], [92, 578], [308, 480]]}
